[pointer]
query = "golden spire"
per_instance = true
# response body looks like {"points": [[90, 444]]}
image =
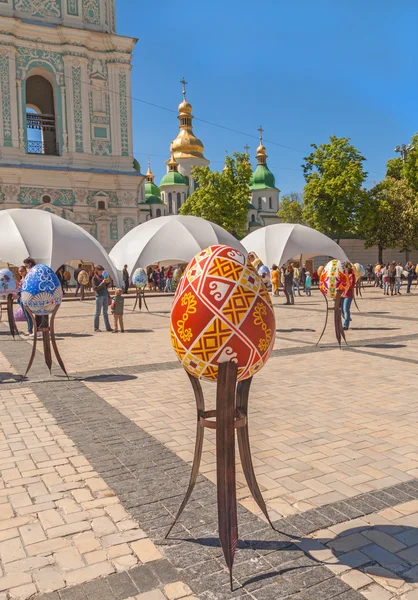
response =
{"points": [[261, 151], [172, 164], [225, 165], [186, 144], [149, 176]]}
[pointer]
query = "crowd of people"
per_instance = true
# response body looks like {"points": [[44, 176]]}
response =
{"points": [[390, 276]]}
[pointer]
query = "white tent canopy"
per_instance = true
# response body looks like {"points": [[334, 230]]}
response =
{"points": [[171, 239], [49, 239], [276, 244]]}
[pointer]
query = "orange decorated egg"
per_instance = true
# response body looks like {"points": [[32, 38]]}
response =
{"points": [[333, 279], [222, 312]]}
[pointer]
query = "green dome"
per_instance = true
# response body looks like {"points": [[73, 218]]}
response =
{"points": [[153, 200], [152, 190], [173, 178], [262, 178]]}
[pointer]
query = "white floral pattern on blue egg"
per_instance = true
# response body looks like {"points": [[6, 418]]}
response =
{"points": [[8, 284], [41, 290], [139, 278]]}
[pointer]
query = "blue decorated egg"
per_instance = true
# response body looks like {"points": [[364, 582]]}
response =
{"points": [[8, 284], [139, 278], [41, 290], [105, 274]]}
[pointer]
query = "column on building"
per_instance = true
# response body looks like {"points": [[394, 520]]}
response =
{"points": [[173, 188]]}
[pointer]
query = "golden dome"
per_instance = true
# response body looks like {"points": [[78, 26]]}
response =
{"points": [[185, 107], [186, 144]]}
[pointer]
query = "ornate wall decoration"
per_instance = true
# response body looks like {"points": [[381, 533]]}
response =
{"points": [[40, 8], [80, 195], [101, 147], [78, 109], [33, 196], [124, 124], [91, 11], [128, 224], [11, 192], [114, 230], [5, 98], [32, 57], [95, 195], [127, 198], [72, 7]]}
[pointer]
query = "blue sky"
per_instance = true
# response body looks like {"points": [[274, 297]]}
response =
{"points": [[304, 70]]}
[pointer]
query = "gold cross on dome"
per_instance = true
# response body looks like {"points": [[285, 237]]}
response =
{"points": [[246, 148], [261, 130], [183, 83]]}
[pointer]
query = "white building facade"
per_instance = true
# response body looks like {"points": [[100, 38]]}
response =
{"points": [[65, 115]]}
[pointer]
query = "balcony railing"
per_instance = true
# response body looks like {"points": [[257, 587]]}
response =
{"points": [[42, 122], [48, 148]]}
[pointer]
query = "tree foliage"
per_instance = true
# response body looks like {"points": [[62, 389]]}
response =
{"points": [[394, 168], [333, 192], [410, 167], [222, 197], [291, 208], [389, 216]]}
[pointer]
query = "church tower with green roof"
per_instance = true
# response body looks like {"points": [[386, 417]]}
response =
{"points": [[264, 193]]}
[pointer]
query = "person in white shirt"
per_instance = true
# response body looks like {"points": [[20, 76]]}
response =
{"points": [[398, 278]]}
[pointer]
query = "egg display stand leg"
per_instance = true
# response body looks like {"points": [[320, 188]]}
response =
{"points": [[200, 405], [82, 293], [143, 299], [339, 331], [35, 337], [48, 338], [326, 320], [54, 342], [225, 461], [243, 391], [137, 300], [11, 317], [230, 414]]}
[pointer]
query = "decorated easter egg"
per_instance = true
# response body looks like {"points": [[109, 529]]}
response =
{"points": [[264, 270], [83, 278], [333, 279], [319, 270], [67, 275], [41, 290], [360, 270], [8, 284], [222, 312], [105, 274], [139, 278]]}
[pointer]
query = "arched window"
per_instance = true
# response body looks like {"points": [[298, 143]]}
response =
{"points": [[170, 203], [101, 205], [40, 117], [178, 201], [252, 218], [259, 204], [158, 212], [270, 203]]}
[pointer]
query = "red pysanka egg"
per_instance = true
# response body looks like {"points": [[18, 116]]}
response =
{"points": [[333, 279], [222, 312]]}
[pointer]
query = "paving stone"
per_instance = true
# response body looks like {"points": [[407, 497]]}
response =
{"points": [[97, 590], [48, 579], [164, 571], [88, 573], [144, 578], [14, 580], [32, 533], [146, 551], [121, 585], [23, 591]]}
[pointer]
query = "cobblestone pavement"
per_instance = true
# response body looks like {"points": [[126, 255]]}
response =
{"points": [[93, 469]]}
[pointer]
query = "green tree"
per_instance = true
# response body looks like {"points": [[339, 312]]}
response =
{"points": [[333, 192], [222, 197], [394, 168], [389, 216], [291, 208], [410, 167]]}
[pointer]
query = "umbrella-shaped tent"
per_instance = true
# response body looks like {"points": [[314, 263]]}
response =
{"points": [[49, 239], [283, 241], [175, 238]]}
